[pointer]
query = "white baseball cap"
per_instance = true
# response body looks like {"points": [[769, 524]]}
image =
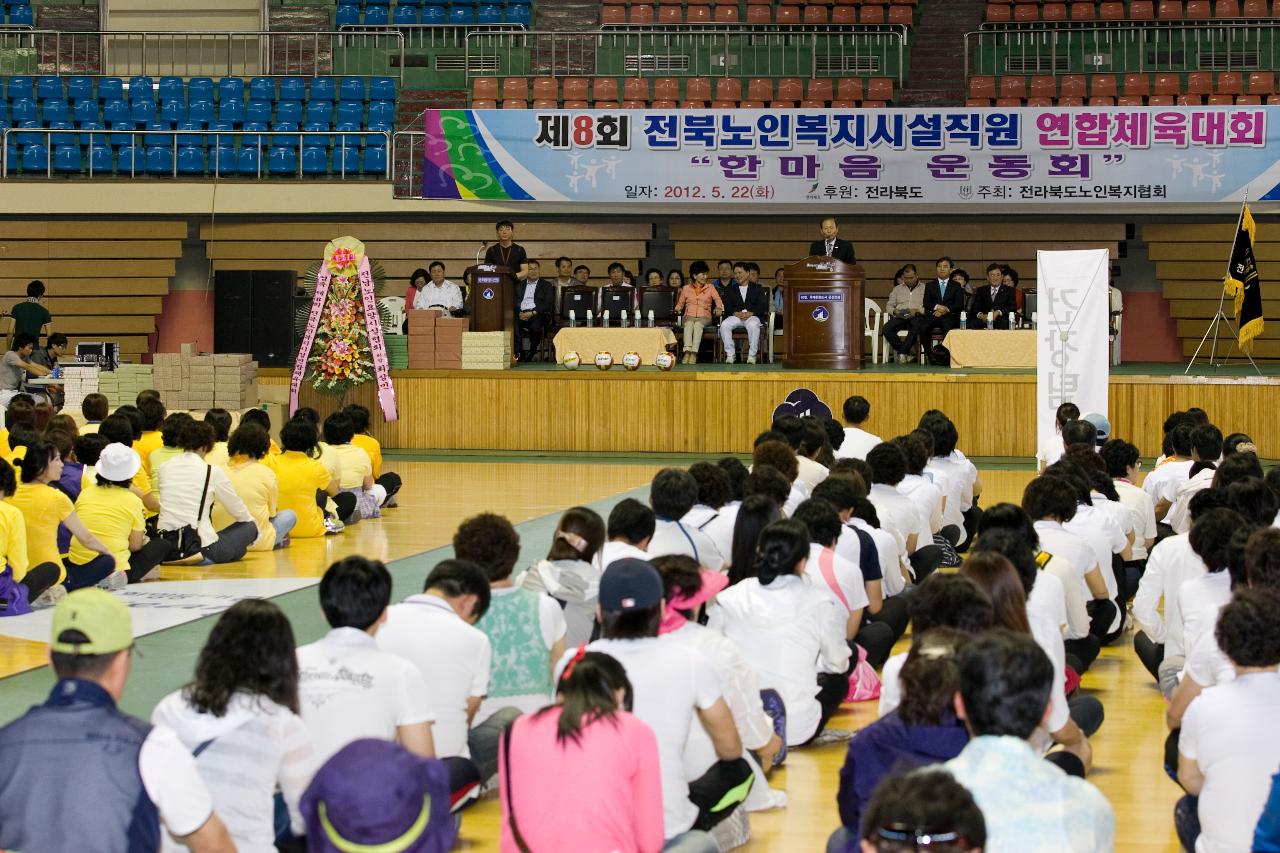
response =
{"points": [[118, 463]]}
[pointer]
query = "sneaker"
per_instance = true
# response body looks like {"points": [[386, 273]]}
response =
{"points": [[114, 581], [390, 503], [332, 526], [728, 358], [51, 596], [751, 359]]}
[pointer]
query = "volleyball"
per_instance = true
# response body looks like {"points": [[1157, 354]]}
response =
{"points": [[571, 360], [604, 360], [631, 360], [664, 360]]}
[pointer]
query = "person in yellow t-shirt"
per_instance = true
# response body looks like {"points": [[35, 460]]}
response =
{"points": [[153, 415], [357, 469], [329, 459], [41, 581], [220, 420], [262, 419], [95, 408], [43, 508], [365, 441], [170, 430], [257, 486], [20, 435], [118, 429], [301, 478], [112, 511]]}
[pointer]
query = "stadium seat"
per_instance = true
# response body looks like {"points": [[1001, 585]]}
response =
{"points": [[383, 112], [35, 158], [315, 161], [404, 16], [697, 89], [513, 88], [141, 89], [282, 161], [1044, 86], [636, 89], [200, 111], [460, 16], [21, 16], [485, 88], [346, 16], [666, 89], [142, 112], [1199, 83], [1261, 83], [1169, 10], [847, 15], [1142, 10], [1025, 13], [1111, 11], [351, 89], [1255, 9], [728, 89], [1198, 10], [66, 158], [101, 159], [173, 111], [84, 111], [613, 15], [49, 87], [249, 160], [310, 141], [788, 15], [697, 14], [519, 13], [759, 15], [232, 110], [871, 15], [20, 88], [575, 88], [1226, 9], [199, 89], [1102, 86], [726, 14], [1083, 11], [1071, 86], [159, 160], [376, 16], [642, 14], [1230, 83], [433, 16], [1167, 84], [190, 160], [323, 89], [382, 89], [171, 89], [258, 111], [374, 161], [351, 112], [1137, 85], [880, 89], [231, 89], [1053, 12], [262, 89], [110, 89]]}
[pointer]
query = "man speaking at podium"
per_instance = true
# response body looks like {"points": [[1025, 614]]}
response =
{"points": [[831, 245]]}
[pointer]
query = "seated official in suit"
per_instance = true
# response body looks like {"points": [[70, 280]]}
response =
{"points": [[995, 303], [943, 302], [535, 304], [746, 305], [831, 245], [905, 310]]}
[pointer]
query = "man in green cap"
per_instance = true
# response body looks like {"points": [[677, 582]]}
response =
{"points": [[80, 774]]}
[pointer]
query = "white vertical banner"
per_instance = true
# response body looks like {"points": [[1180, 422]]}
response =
{"points": [[1072, 361]]}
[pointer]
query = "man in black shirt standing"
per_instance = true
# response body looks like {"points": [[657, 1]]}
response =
{"points": [[506, 253]]}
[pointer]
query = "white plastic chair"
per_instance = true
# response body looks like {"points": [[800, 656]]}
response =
{"points": [[395, 307], [873, 319]]}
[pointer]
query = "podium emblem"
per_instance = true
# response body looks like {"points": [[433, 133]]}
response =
{"points": [[821, 314], [487, 293]]}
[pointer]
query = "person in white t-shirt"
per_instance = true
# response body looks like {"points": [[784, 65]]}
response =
{"points": [[439, 292], [772, 450], [857, 441], [806, 437], [963, 485], [898, 513], [436, 632], [629, 530], [348, 687], [1052, 450], [570, 574], [1121, 459], [1218, 537], [1163, 481], [1229, 748], [674, 688], [672, 494], [713, 493], [720, 528], [927, 497], [1206, 455]]}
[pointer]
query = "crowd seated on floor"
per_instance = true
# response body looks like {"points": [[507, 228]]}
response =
{"points": [[638, 687]]}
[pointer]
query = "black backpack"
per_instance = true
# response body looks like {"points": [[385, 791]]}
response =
{"points": [[940, 356]]}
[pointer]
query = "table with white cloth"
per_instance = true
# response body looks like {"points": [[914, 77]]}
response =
{"points": [[991, 347], [586, 341]]}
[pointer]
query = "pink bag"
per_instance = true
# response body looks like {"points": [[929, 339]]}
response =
{"points": [[864, 684]]}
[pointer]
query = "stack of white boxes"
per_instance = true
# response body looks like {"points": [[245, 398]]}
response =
{"points": [[122, 385], [78, 383], [486, 351], [187, 381]]}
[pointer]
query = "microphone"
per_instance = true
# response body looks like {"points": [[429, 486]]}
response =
{"points": [[484, 244]]}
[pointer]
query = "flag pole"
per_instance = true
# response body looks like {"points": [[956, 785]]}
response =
{"points": [[1221, 316]]}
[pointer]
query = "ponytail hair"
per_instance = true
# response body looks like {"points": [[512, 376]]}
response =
{"points": [[587, 692], [783, 544]]}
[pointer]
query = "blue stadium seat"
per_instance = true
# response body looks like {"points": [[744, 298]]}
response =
{"points": [[346, 159], [316, 141], [190, 160], [376, 139], [460, 15], [283, 161], [93, 140], [376, 16], [35, 158], [186, 138], [248, 161], [101, 160], [408, 2], [11, 155], [111, 89], [80, 89], [368, 3], [174, 111], [171, 89], [259, 111], [350, 112], [318, 111], [433, 15], [466, 2], [286, 135], [262, 89], [142, 111], [223, 161], [55, 110], [289, 111], [231, 110], [351, 89], [113, 111], [199, 89], [251, 137], [293, 89], [489, 15], [404, 16], [21, 16], [61, 125], [31, 138], [131, 159], [323, 89], [382, 111], [315, 161], [85, 111], [141, 89], [382, 89], [375, 161], [230, 88], [49, 87], [160, 160], [66, 158], [4, 110], [201, 111], [20, 88], [519, 13], [346, 16], [120, 137], [24, 109]]}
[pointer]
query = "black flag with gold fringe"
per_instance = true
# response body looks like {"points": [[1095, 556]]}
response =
{"points": [[1242, 282]]}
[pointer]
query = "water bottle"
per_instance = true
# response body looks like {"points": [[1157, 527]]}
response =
{"points": [[990, 320], [964, 321], [57, 372]]}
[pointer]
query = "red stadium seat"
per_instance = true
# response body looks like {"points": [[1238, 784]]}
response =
{"points": [[816, 15], [1053, 12], [1071, 86], [759, 15], [810, 104], [666, 89], [849, 89], [1170, 10], [577, 105], [820, 89], [726, 14], [634, 105], [1113, 10], [1044, 86], [485, 88], [664, 105], [636, 89], [1071, 102], [574, 88], [697, 89], [871, 15], [1230, 83], [1248, 100], [999, 14], [1102, 102], [788, 15], [1160, 101], [902, 15], [728, 89], [1130, 101], [724, 105], [1168, 84], [1142, 10], [670, 15], [1137, 85], [613, 15], [880, 89], [1226, 9], [782, 105], [790, 89], [687, 104], [1220, 100], [1013, 86], [975, 102], [1025, 13], [844, 15], [697, 14], [1261, 83], [1011, 102], [1083, 11], [844, 105], [980, 88], [514, 89], [546, 89], [1198, 10], [1102, 86], [1039, 102], [641, 15], [1256, 9], [1199, 83], [604, 89], [1191, 100]]}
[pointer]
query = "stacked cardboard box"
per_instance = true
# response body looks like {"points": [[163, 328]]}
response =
{"points": [[486, 351], [122, 385], [422, 339], [187, 381], [78, 383], [235, 376], [449, 332]]}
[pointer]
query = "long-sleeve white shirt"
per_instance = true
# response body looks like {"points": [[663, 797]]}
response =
{"points": [[180, 484]]}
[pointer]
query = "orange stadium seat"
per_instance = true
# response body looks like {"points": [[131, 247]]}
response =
{"points": [[983, 88], [1013, 86], [574, 88], [1044, 86], [787, 15], [1142, 10], [636, 89], [902, 15], [1220, 100], [484, 104], [816, 15], [688, 104], [1170, 10], [724, 105], [1111, 11], [664, 105], [844, 15], [1199, 83], [670, 15], [1053, 12], [1248, 100], [1130, 101], [849, 89], [666, 89], [697, 14], [1167, 84], [759, 15], [880, 89], [1226, 9], [760, 89], [1071, 102], [728, 89], [1230, 83], [515, 105], [1070, 86], [1038, 102], [1137, 85], [697, 89], [1025, 13], [790, 89], [751, 105], [613, 15], [1191, 100], [1255, 9], [726, 14], [484, 88], [546, 89], [820, 89], [1261, 83], [576, 105], [871, 15], [545, 103], [515, 89], [1083, 11], [1102, 85], [604, 89], [641, 15], [1160, 101], [634, 105], [1198, 10]]}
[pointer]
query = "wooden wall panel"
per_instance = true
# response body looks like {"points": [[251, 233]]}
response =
{"points": [[715, 412]]}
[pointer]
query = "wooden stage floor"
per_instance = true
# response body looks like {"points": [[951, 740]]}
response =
{"points": [[439, 494]]}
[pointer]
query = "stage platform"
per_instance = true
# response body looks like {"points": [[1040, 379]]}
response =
{"points": [[721, 408]]}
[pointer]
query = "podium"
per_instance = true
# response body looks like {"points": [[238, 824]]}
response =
{"points": [[824, 325], [492, 297]]}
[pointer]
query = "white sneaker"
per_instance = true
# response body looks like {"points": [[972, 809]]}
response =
{"points": [[751, 359], [728, 358], [114, 581], [51, 596], [333, 525]]}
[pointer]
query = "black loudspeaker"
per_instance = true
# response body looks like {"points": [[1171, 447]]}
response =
{"points": [[253, 312]]}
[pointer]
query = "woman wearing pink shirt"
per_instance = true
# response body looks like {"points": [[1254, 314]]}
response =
{"points": [[582, 775], [697, 303]]}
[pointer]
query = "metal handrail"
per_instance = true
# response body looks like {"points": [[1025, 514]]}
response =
{"points": [[49, 135], [1158, 46], [558, 51], [191, 53]]}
